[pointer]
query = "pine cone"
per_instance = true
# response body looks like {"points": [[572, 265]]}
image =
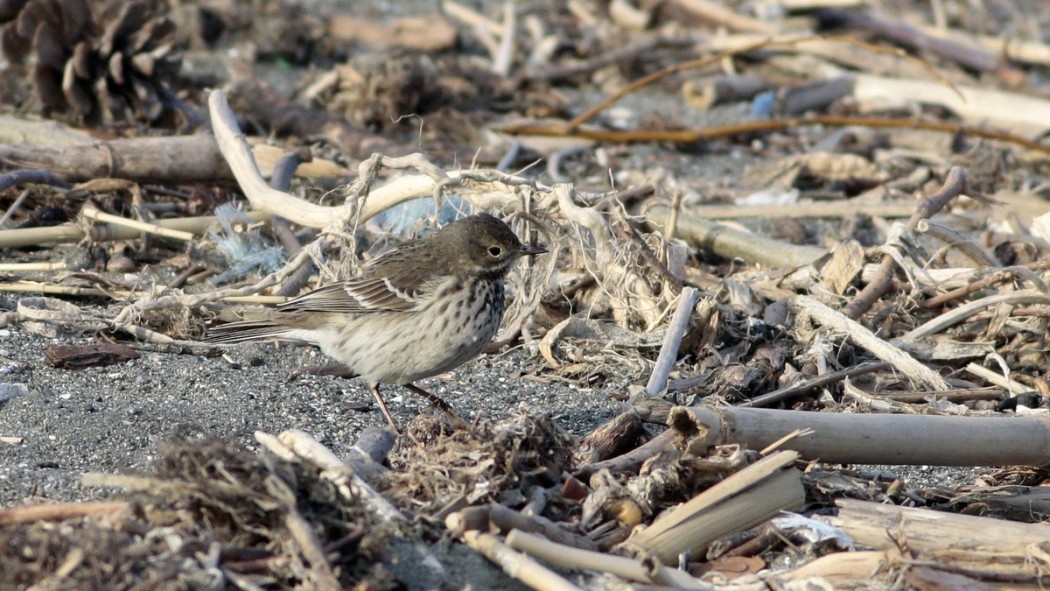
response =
{"points": [[105, 62]]}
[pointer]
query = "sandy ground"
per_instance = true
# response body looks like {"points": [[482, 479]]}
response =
{"points": [[110, 419]]}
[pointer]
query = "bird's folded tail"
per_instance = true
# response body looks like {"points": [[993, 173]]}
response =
{"points": [[248, 330]]}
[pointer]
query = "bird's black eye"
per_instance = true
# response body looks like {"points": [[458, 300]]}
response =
{"points": [[495, 251]]}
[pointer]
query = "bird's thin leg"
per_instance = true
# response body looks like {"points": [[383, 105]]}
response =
{"points": [[433, 398], [384, 409]]}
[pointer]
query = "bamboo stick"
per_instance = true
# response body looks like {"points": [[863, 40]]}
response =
{"points": [[883, 439], [728, 242]]}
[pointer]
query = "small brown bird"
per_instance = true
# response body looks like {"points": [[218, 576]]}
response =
{"points": [[424, 308]]}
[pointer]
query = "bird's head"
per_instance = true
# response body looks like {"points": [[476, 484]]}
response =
{"points": [[484, 244]]}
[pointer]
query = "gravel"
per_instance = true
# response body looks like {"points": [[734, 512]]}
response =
{"points": [[110, 419]]}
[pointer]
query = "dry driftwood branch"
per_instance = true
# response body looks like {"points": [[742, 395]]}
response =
{"points": [[632, 460], [614, 437], [519, 566], [965, 54], [954, 185], [643, 571], [299, 445], [672, 340], [305, 213], [921, 375], [846, 208], [731, 243], [979, 547], [1029, 115], [172, 160], [878, 438], [743, 500]]}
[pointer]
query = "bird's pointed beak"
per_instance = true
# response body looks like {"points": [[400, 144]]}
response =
{"points": [[529, 250]]}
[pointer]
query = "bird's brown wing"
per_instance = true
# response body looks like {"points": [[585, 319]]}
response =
{"points": [[400, 280]]}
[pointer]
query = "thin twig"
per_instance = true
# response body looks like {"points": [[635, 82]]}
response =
{"points": [[954, 185]]}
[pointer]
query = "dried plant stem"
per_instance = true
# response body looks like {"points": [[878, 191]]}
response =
{"points": [[957, 315], [693, 136], [559, 555], [998, 379], [32, 267], [321, 575], [517, 565], [94, 214], [301, 446], [505, 519], [998, 276], [921, 375], [106, 232], [120, 294], [741, 501], [731, 243], [672, 340], [60, 511], [829, 378], [954, 184], [846, 208]]}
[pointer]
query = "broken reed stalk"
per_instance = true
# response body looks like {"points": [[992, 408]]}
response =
{"points": [[642, 571], [986, 549], [672, 341], [93, 213], [60, 511], [501, 518], [295, 445], [731, 243], [517, 565], [123, 294], [741, 501], [842, 570], [73, 232], [876, 438], [875, 525]]}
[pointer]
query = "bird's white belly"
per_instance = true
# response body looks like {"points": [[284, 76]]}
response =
{"points": [[410, 346]]}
